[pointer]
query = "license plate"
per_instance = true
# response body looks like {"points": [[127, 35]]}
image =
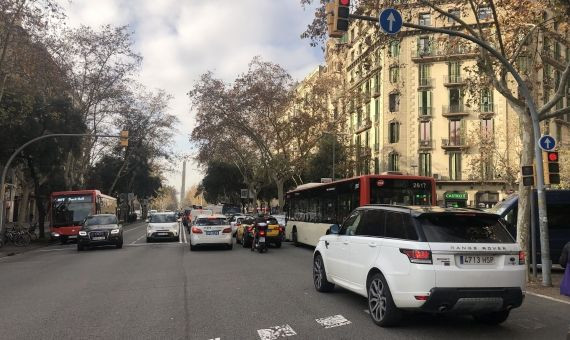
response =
{"points": [[262, 239], [212, 232], [98, 238], [476, 260], [162, 234]]}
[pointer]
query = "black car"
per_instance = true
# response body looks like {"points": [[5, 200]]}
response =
{"points": [[100, 230]]}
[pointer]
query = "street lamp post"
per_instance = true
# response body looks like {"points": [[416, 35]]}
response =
{"points": [[17, 152]]}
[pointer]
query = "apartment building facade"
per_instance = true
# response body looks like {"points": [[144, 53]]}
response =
{"points": [[411, 110]]}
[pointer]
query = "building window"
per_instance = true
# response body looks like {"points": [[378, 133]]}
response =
{"points": [[394, 74], [487, 129], [455, 100], [367, 139], [376, 165], [455, 166], [425, 164], [394, 102], [376, 138], [454, 72], [425, 132], [424, 100], [394, 48], [376, 110], [455, 12], [393, 162], [377, 83], [557, 51], [455, 129], [394, 132], [487, 101], [425, 19], [484, 13], [424, 46], [424, 75]]}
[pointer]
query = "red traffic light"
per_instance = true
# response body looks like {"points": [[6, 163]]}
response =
{"points": [[553, 156], [345, 2]]}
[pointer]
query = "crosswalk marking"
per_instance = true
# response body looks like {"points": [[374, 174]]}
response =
{"points": [[333, 321], [276, 332]]}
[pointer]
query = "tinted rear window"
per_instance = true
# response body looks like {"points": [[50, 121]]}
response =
{"points": [[211, 221], [464, 228]]}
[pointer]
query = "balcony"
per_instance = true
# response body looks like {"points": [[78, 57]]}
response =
{"points": [[425, 82], [457, 143], [487, 110], [364, 152], [455, 110], [364, 125], [439, 53], [425, 112], [376, 92], [453, 80], [425, 144]]}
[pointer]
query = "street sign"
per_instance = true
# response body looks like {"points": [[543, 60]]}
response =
{"points": [[547, 143], [390, 21]]}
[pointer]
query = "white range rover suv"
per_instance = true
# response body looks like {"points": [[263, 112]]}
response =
{"points": [[423, 258]]}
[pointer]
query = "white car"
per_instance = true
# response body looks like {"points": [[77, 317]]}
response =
{"points": [[162, 226], [423, 258], [235, 221], [210, 230]]}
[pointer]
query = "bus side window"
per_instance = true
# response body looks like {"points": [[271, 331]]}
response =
{"points": [[98, 206]]}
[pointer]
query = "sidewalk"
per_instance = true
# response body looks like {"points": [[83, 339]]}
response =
{"points": [[11, 250], [553, 292]]}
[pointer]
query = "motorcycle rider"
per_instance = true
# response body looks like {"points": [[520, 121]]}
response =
{"points": [[259, 219]]}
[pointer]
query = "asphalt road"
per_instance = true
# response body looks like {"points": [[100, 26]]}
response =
{"points": [[164, 291]]}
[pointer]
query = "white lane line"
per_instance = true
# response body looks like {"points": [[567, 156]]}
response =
{"points": [[180, 231], [333, 321], [58, 249], [215, 339], [153, 245], [276, 332], [367, 311], [184, 233], [126, 231], [135, 241], [548, 297]]}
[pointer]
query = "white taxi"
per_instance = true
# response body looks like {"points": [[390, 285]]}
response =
{"points": [[211, 230]]}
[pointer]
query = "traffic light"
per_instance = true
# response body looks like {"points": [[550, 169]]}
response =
{"points": [[124, 138], [552, 168], [337, 12]]}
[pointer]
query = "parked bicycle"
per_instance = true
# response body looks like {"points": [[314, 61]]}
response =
{"points": [[19, 237]]}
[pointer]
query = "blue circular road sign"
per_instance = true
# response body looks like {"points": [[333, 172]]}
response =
{"points": [[390, 21], [547, 143]]}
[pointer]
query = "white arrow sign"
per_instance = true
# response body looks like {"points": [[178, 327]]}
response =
{"points": [[391, 20]]}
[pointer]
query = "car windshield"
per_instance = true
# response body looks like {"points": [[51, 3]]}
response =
{"points": [[464, 228], [272, 220], [69, 210], [101, 220], [210, 221], [163, 218]]}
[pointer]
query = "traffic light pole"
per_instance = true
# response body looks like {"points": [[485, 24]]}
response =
{"points": [[525, 92], [17, 152]]}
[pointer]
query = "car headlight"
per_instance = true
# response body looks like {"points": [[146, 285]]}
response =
{"points": [[82, 233], [55, 234], [115, 231]]}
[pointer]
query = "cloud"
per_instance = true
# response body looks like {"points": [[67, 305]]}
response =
{"points": [[180, 40]]}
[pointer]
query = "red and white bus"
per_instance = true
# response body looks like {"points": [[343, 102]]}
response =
{"points": [[312, 208], [69, 209]]}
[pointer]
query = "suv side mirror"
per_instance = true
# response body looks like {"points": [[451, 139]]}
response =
{"points": [[334, 229]]}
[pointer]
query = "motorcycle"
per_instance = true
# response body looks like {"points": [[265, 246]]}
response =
{"points": [[259, 233]]}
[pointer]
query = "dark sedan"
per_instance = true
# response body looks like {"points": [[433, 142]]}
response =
{"points": [[100, 230]]}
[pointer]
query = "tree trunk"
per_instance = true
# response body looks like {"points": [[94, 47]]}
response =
{"points": [[23, 211], [280, 182], [39, 200], [527, 158]]}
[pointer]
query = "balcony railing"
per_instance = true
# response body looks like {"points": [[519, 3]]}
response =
{"points": [[488, 108], [425, 111], [429, 52], [452, 79], [426, 144], [376, 92], [453, 144], [425, 82], [364, 151], [455, 110], [364, 125]]}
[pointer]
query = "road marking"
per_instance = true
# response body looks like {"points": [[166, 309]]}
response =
{"points": [[215, 339], [153, 244], [333, 321], [58, 249], [135, 241], [180, 232], [184, 233], [125, 231], [548, 298], [367, 311], [276, 332]]}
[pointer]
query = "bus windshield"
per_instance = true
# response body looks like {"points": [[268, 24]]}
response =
{"points": [[71, 210], [400, 191]]}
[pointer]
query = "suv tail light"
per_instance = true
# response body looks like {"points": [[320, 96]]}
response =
{"points": [[196, 230], [227, 230], [417, 256], [262, 233], [522, 257]]}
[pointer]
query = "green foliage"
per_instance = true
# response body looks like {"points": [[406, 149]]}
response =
{"points": [[222, 183], [320, 164]]}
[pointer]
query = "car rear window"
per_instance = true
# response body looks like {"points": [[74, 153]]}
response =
{"points": [[464, 228], [211, 221]]}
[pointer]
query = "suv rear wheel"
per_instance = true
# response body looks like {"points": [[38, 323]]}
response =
{"points": [[493, 318], [320, 276], [382, 309]]}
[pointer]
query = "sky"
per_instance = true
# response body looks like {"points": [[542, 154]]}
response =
{"points": [[181, 39]]}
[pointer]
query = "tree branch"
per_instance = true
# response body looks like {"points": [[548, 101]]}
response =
{"points": [[559, 92], [555, 114], [497, 26]]}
